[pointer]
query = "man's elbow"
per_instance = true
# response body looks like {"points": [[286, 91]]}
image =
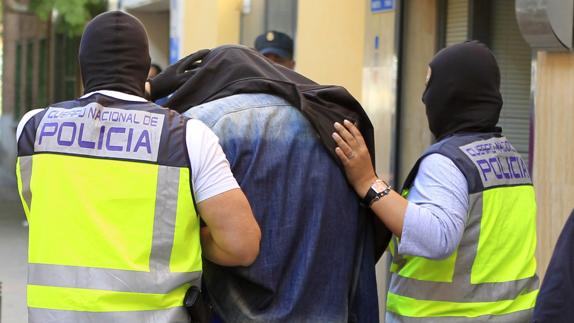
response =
{"points": [[248, 257], [441, 255], [250, 250], [445, 251]]}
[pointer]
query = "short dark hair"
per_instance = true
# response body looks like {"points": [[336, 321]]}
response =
{"points": [[157, 67]]}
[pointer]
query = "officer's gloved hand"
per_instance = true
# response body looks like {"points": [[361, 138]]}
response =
{"points": [[175, 75]]}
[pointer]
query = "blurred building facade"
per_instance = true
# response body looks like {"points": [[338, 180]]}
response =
{"points": [[41, 68], [377, 49]]}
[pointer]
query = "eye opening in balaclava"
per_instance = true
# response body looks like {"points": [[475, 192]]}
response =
{"points": [[114, 54], [463, 90]]}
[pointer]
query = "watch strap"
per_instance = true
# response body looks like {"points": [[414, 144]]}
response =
{"points": [[373, 196]]}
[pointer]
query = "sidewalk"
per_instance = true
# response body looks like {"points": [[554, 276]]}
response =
{"points": [[13, 252]]}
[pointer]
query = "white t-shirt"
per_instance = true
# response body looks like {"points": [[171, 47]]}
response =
{"points": [[210, 172]]}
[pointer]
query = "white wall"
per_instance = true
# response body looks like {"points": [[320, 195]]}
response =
{"points": [[157, 27]]}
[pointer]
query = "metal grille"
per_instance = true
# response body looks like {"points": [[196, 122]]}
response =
{"points": [[456, 21], [514, 58]]}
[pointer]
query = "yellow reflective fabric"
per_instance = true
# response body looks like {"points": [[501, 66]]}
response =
{"points": [[116, 224], [418, 267], [406, 306], [507, 236], [186, 252], [391, 247], [428, 269], [19, 179], [405, 193], [92, 300]]}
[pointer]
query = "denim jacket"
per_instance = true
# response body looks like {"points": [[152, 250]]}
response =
{"points": [[311, 254]]}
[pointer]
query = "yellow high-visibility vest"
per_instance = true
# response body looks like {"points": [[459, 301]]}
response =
{"points": [[113, 230], [491, 276]]}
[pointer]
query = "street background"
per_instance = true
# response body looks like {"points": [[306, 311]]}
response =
{"points": [[13, 252], [377, 49]]}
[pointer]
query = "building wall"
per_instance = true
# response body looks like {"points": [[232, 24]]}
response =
{"points": [[253, 23], [23, 29], [157, 27], [419, 41], [229, 15], [330, 42], [210, 23], [7, 122], [10, 34], [553, 152], [379, 85], [379, 101]]}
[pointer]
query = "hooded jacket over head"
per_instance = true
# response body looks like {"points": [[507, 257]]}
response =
{"points": [[232, 69]]}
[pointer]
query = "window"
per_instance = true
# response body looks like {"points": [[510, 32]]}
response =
{"points": [[494, 23], [260, 16]]}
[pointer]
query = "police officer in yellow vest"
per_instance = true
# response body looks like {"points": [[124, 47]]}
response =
{"points": [[114, 187], [465, 233]]}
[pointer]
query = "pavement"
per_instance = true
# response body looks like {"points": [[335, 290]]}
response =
{"points": [[13, 252]]}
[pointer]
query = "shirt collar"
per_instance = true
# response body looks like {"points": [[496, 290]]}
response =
{"points": [[117, 95]]}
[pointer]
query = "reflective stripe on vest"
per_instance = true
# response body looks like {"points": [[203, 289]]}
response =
{"points": [[111, 239], [520, 316], [172, 315], [489, 277]]}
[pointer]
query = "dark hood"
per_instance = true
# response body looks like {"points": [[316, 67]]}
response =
{"points": [[114, 54], [463, 92], [232, 69], [235, 69]]}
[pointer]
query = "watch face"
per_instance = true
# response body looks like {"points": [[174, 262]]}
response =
{"points": [[379, 186]]}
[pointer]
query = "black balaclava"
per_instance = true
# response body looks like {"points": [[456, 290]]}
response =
{"points": [[114, 54], [463, 92]]}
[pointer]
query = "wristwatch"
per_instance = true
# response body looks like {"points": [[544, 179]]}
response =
{"points": [[378, 190]]}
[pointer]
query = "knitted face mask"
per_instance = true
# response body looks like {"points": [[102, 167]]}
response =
{"points": [[114, 54], [462, 93]]}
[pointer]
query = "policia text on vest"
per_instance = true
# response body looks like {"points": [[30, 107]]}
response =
{"points": [[491, 276], [125, 134], [114, 233], [498, 162]]}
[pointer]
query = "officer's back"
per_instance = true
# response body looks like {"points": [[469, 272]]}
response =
{"points": [[112, 186]]}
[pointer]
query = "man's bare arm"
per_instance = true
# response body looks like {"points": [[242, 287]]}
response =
{"points": [[232, 235]]}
